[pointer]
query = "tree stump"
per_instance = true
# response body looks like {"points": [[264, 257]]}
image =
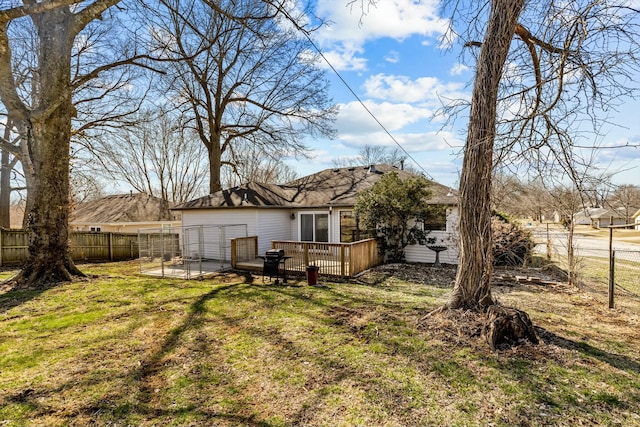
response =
{"points": [[506, 327]]}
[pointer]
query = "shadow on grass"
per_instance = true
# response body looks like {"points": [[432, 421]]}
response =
{"points": [[617, 361], [15, 298]]}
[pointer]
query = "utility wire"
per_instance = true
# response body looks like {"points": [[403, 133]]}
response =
{"points": [[308, 37]]}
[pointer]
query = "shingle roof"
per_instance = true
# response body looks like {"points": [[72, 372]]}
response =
{"points": [[330, 187], [139, 207]]}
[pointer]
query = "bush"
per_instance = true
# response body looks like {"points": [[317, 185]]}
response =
{"points": [[512, 245], [390, 208]]}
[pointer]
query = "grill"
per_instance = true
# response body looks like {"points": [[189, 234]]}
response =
{"points": [[271, 267]]}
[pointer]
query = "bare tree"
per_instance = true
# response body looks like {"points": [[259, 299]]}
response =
{"points": [[45, 113], [252, 163], [566, 60], [508, 194], [472, 288], [373, 155], [102, 94], [157, 155], [542, 69], [9, 147], [244, 76], [568, 199], [627, 198]]}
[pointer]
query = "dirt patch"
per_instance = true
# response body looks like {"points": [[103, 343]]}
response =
{"points": [[443, 276]]}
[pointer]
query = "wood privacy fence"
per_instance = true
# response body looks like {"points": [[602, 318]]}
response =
{"points": [[85, 246]]}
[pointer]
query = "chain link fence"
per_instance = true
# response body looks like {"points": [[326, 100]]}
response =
{"points": [[609, 275], [626, 272]]}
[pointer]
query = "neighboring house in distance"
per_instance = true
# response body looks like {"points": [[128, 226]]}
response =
{"points": [[553, 216], [316, 208], [606, 218], [636, 219], [585, 216], [123, 213]]}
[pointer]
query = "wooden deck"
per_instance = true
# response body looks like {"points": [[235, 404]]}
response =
{"points": [[334, 259], [256, 265]]}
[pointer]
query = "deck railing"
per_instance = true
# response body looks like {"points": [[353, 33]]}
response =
{"points": [[243, 249], [335, 259]]}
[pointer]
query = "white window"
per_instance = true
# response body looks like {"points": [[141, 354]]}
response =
{"points": [[314, 227]]}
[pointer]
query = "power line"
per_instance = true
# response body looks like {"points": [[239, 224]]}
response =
{"points": [[308, 37]]}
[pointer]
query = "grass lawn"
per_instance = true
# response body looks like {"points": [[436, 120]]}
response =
{"points": [[121, 349]]}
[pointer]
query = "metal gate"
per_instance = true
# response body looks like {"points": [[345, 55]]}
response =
{"points": [[187, 252]]}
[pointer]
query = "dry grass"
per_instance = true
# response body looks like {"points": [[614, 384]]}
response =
{"points": [[120, 349]]}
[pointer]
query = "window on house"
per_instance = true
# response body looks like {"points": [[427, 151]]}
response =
{"points": [[350, 229], [314, 227], [436, 220], [95, 228]]}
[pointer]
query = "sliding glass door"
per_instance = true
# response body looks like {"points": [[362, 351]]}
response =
{"points": [[314, 227]]}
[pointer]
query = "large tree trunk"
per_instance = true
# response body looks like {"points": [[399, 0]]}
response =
{"points": [[215, 164], [472, 288], [48, 135]]}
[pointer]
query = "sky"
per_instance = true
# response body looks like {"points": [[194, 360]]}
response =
{"points": [[394, 59]]}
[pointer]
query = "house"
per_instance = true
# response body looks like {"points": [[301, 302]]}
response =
{"points": [[636, 219], [607, 218], [315, 208], [585, 216], [123, 213]]}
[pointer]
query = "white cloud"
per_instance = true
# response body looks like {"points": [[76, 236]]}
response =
{"points": [[353, 118], [458, 69], [345, 57], [392, 57], [402, 89], [348, 29], [397, 19], [412, 142]]}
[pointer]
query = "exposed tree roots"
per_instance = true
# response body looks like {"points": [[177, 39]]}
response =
{"points": [[507, 327], [37, 274], [500, 327]]}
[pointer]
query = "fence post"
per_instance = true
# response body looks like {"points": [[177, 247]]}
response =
{"points": [[612, 278], [548, 244], [306, 253], [1, 247], [612, 264], [110, 246], [234, 257]]}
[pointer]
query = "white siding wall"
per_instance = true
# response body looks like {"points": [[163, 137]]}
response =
{"points": [[420, 253], [221, 217], [273, 224], [334, 225]]}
